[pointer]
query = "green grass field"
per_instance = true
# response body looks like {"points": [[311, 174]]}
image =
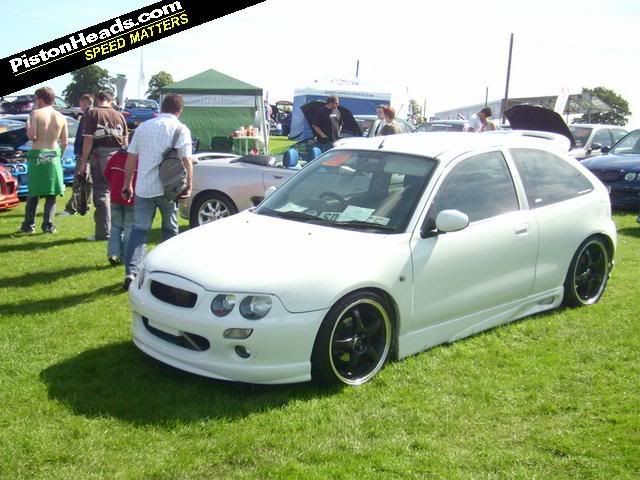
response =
{"points": [[556, 396]]}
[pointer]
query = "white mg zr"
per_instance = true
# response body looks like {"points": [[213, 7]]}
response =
{"points": [[378, 249]]}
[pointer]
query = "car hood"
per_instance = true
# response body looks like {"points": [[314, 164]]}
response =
{"points": [[530, 117], [350, 126], [629, 163], [14, 138], [308, 267]]}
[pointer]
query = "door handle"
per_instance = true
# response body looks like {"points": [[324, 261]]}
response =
{"points": [[522, 229], [278, 176]]}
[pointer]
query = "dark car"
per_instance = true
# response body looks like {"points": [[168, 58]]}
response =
{"points": [[619, 170], [137, 111], [25, 103]]}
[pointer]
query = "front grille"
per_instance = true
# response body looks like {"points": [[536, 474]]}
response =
{"points": [[174, 296], [608, 175], [187, 340]]}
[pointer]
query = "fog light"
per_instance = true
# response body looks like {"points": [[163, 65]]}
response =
{"points": [[222, 305], [629, 177], [255, 307], [237, 333], [242, 351]]}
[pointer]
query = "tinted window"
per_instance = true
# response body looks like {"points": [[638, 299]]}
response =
{"points": [[547, 178], [480, 186], [581, 135]]}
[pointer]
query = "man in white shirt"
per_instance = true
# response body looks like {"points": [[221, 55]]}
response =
{"points": [[150, 141], [379, 123]]}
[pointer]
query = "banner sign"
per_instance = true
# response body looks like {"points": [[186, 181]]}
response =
{"points": [[113, 37], [219, 100]]}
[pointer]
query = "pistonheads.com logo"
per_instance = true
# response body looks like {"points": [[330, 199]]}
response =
{"points": [[118, 36]]}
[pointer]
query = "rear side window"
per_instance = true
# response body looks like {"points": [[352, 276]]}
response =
{"points": [[547, 178]]}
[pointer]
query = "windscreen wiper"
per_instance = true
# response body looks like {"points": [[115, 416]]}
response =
{"points": [[359, 224], [293, 215]]}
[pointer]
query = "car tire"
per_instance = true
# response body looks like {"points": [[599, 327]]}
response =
{"points": [[209, 207], [354, 340], [588, 273]]}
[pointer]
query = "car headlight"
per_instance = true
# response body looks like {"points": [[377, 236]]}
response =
{"points": [[20, 169], [630, 177], [222, 305], [255, 307], [141, 276]]}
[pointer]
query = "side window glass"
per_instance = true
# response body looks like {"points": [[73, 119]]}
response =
{"points": [[617, 134], [480, 186], [602, 137], [547, 178]]}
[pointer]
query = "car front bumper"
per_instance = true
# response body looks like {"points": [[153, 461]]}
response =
{"points": [[280, 345]]}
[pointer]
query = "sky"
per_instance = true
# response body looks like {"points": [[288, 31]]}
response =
{"points": [[443, 54]]}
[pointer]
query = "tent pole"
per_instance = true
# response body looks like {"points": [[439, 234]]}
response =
{"points": [[263, 123]]}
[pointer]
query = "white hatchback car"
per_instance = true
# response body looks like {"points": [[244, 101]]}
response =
{"points": [[378, 249]]}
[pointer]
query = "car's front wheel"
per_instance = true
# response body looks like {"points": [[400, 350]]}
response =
{"points": [[354, 340], [588, 273], [209, 207]]}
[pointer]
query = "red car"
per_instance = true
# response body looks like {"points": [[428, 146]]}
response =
{"points": [[8, 190]]}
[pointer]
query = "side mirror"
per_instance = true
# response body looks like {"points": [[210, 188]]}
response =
{"points": [[269, 191], [446, 221], [451, 221], [605, 149], [595, 146]]}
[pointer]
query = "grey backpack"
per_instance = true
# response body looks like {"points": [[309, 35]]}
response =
{"points": [[173, 175]]}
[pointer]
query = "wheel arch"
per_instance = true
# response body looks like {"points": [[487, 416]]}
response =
{"points": [[203, 193]]}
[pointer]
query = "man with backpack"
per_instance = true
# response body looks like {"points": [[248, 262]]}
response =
{"points": [[148, 149]]}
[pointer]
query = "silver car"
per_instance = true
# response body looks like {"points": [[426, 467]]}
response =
{"points": [[224, 184], [590, 138]]}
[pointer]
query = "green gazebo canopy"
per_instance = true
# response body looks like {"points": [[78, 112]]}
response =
{"points": [[216, 104]]}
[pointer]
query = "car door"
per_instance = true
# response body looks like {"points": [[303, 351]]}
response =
{"points": [[276, 176], [483, 267]]}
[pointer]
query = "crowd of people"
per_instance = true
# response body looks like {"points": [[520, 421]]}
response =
{"points": [[121, 176]]}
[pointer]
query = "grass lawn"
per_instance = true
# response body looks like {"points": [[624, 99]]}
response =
{"points": [[279, 144], [551, 397]]}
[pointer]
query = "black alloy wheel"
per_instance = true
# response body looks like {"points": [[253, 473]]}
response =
{"points": [[354, 340], [588, 273]]}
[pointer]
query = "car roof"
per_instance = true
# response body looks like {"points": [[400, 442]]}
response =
{"points": [[437, 144]]}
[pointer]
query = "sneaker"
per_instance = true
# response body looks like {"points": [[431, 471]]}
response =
{"points": [[127, 281], [65, 213], [638, 219], [51, 229], [29, 230], [113, 260]]}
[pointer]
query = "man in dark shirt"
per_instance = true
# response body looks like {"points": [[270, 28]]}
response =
{"points": [[86, 102], [105, 132], [327, 122]]}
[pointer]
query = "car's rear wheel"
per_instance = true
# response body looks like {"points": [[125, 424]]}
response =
{"points": [[354, 340], [209, 207], [588, 273]]}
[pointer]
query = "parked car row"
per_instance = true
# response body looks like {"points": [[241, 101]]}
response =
{"points": [[17, 104]]}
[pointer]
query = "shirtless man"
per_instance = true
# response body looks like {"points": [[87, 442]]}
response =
{"points": [[48, 131]]}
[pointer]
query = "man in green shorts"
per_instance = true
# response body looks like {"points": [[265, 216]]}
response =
{"points": [[48, 131]]}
